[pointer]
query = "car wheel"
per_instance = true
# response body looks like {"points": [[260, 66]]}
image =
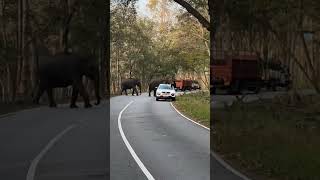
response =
{"points": [[157, 99], [173, 99]]}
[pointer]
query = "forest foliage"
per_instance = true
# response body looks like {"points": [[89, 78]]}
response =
{"points": [[167, 43], [171, 42], [32, 28]]}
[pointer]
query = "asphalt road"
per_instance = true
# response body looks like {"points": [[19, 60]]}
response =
{"points": [[50, 144], [169, 146], [67, 144]]}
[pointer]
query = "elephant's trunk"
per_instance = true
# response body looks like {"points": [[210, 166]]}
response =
{"points": [[140, 87]]}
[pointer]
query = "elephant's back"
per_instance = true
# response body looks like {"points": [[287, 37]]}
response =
{"points": [[154, 82], [129, 83], [126, 82], [60, 68], [58, 62]]}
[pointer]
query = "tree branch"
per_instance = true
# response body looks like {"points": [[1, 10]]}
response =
{"points": [[204, 22]]}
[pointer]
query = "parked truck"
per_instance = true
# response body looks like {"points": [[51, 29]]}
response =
{"points": [[240, 70], [183, 84]]}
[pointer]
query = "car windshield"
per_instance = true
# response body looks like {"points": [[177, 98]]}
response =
{"points": [[164, 86]]}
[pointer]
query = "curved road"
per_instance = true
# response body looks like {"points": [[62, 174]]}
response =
{"points": [[169, 146], [50, 144], [150, 140], [67, 144]]}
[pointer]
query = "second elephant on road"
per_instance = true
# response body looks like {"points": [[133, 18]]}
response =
{"points": [[131, 84]]}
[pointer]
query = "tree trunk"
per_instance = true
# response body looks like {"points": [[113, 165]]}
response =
{"points": [[195, 13], [63, 35], [65, 26], [107, 49], [212, 29], [18, 68], [118, 68], [26, 75]]}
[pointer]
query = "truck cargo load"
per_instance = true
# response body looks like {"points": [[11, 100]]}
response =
{"points": [[240, 70]]}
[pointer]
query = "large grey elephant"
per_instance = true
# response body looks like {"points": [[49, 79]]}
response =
{"points": [[153, 85], [131, 84], [63, 70]]}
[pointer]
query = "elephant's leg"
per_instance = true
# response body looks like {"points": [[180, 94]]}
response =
{"points": [[154, 92], [75, 92], [38, 94], [83, 93], [126, 92], [52, 103], [135, 90], [122, 90], [149, 92]]}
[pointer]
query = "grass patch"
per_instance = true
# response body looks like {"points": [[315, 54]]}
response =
{"points": [[274, 139], [196, 106]]}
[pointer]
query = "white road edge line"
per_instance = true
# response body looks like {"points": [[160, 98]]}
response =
{"points": [[188, 118], [134, 155], [32, 169], [227, 166], [217, 157]]}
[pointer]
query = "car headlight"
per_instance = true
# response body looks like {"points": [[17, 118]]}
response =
{"points": [[172, 94]]}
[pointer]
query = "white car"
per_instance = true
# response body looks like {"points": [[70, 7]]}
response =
{"points": [[165, 91]]}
